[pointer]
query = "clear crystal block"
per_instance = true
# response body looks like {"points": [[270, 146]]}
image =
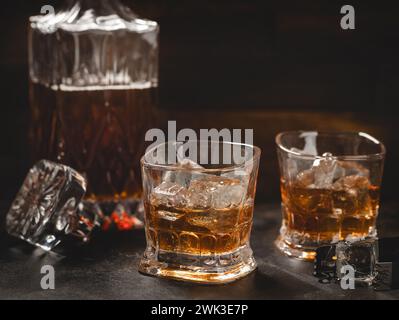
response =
{"points": [[361, 255], [48, 208]]}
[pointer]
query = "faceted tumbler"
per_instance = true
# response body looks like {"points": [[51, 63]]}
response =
{"points": [[48, 208], [330, 187], [198, 216]]}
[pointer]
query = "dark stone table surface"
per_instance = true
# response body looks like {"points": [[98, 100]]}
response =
{"points": [[107, 269]]}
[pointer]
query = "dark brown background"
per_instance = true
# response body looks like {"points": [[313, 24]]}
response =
{"points": [[267, 65]]}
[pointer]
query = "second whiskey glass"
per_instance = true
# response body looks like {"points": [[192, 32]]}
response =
{"points": [[330, 187]]}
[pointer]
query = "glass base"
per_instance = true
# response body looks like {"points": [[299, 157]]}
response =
{"points": [[307, 250], [212, 269], [295, 251]]}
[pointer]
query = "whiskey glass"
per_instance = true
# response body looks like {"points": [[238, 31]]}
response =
{"points": [[198, 218], [330, 189]]}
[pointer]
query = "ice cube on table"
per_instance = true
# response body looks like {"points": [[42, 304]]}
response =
{"points": [[361, 255], [44, 211]]}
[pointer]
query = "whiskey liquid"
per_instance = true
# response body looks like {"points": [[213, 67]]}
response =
{"points": [[195, 230], [199, 232], [99, 131], [317, 216]]}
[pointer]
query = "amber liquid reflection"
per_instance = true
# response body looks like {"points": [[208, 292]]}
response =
{"points": [[99, 132], [313, 217]]}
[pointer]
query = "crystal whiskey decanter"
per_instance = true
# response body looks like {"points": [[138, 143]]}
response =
{"points": [[93, 85]]}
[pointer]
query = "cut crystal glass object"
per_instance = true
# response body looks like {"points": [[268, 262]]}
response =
{"points": [[47, 208], [93, 90]]}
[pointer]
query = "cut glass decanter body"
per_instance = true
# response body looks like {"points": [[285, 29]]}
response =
{"points": [[93, 82]]}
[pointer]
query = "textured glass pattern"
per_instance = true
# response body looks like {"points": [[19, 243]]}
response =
{"points": [[93, 91], [93, 43], [45, 211], [330, 189], [198, 221]]}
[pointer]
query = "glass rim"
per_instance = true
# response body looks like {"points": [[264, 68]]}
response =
{"points": [[379, 155], [177, 167]]}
